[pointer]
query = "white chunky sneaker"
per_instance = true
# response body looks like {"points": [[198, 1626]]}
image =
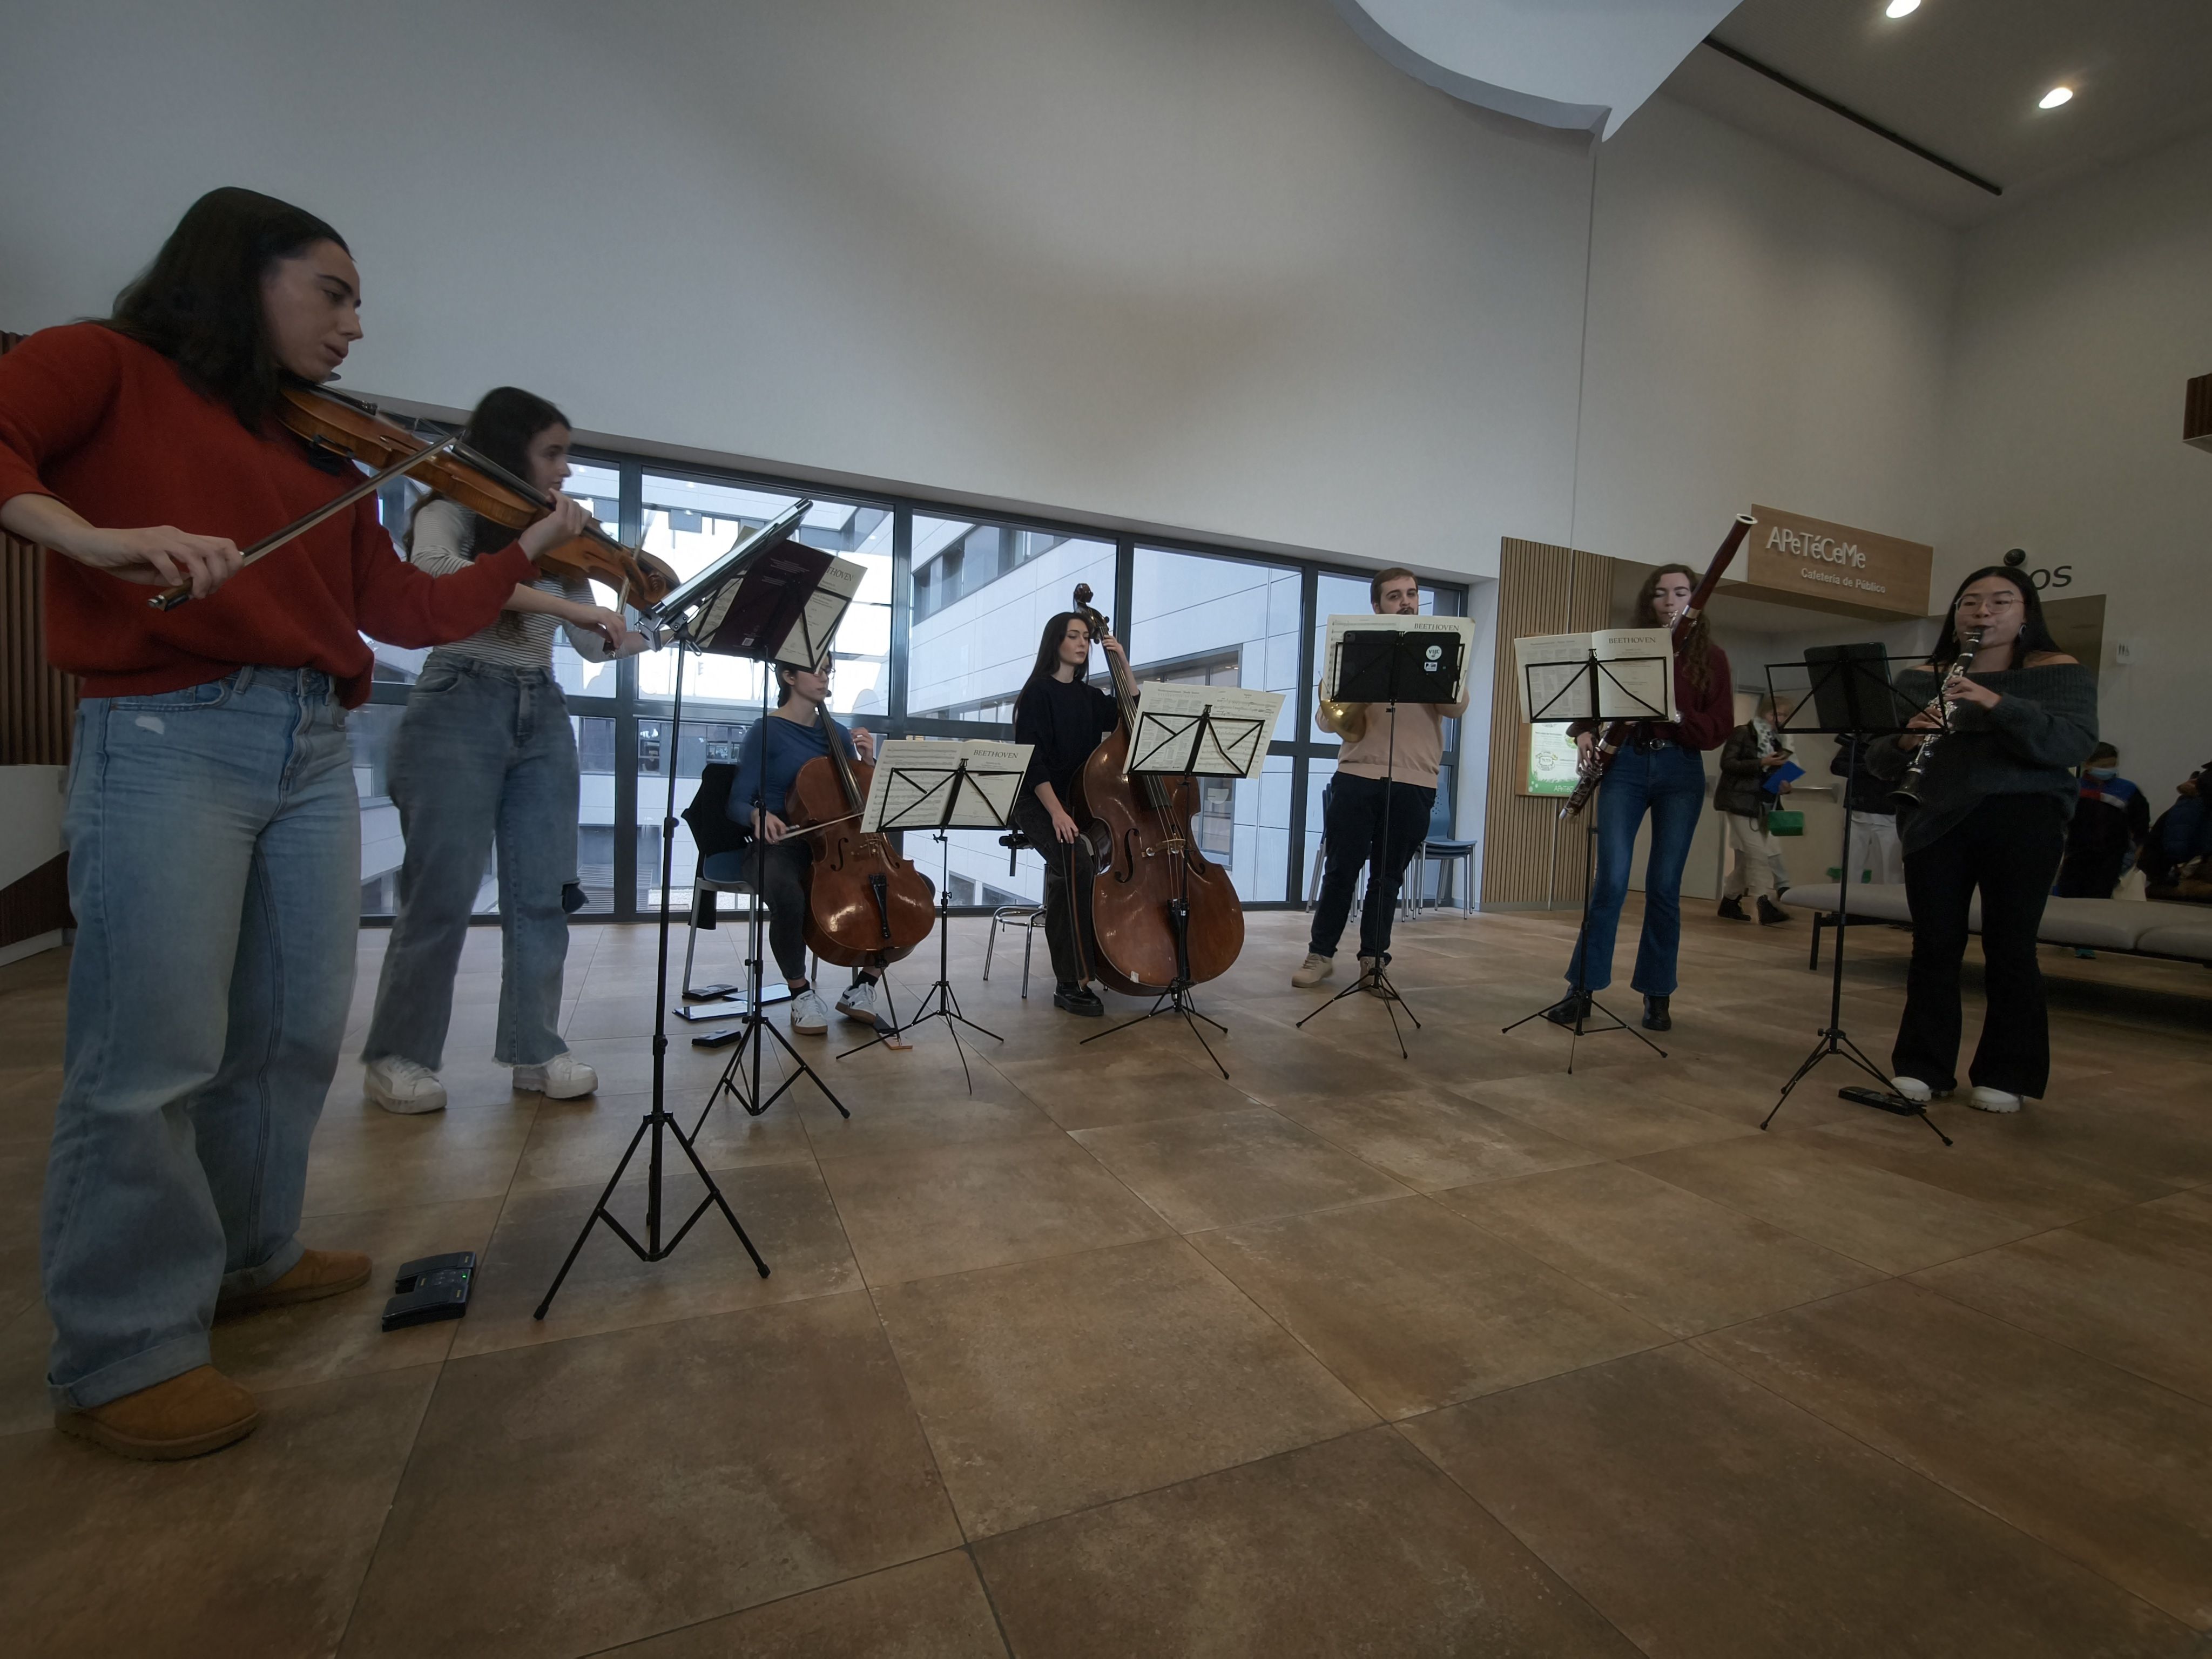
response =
{"points": [[858, 1001], [564, 1077], [1912, 1089], [810, 1015], [401, 1085], [1992, 1100], [1310, 972]]}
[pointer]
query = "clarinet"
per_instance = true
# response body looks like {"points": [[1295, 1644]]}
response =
{"points": [[1908, 786]]}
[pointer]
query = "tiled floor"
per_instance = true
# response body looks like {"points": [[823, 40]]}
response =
{"points": [[1453, 1354]]}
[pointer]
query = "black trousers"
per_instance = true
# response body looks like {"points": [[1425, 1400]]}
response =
{"points": [[779, 873], [1068, 873], [1353, 827], [2008, 847]]}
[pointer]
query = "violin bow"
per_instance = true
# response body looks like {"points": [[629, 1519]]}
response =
{"points": [[170, 598]]}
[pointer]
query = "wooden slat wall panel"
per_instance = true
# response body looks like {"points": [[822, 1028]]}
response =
{"points": [[1541, 589], [38, 704]]}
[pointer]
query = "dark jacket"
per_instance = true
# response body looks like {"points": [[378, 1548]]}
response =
{"points": [[1738, 790], [1867, 790]]}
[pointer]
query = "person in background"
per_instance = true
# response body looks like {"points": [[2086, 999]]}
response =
{"points": [[2112, 822], [1874, 848], [1744, 796], [2180, 843], [485, 756]]}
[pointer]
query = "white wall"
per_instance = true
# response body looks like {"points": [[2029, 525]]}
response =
{"points": [[2081, 320], [1217, 268], [1759, 330]]}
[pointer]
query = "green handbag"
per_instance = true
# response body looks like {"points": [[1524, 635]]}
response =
{"points": [[1781, 823]]}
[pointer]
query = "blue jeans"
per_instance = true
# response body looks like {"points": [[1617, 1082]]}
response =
{"points": [[215, 869], [1671, 783], [484, 756]]}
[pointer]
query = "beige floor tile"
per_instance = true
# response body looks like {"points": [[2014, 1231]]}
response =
{"points": [[1683, 1262], [2004, 1162], [1430, 1138], [1055, 1385], [575, 1142], [911, 1215], [367, 1158], [1355, 1546], [2120, 1474], [258, 1550], [929, 1610], [570, 1496], [1414, 1307], [1113, 1090], [1606, 1108], [1222, 1168], [1704, 1516]]}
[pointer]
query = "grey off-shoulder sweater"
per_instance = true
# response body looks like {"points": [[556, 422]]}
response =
{"points": [[2043, 726]]}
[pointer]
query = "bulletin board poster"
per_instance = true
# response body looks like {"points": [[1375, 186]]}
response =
{"points": [[1551, 768]]}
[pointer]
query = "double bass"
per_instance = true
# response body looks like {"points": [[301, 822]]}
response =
{"points": [[863, 899], [1164, 915]]}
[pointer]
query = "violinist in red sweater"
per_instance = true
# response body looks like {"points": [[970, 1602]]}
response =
{"points": [[1662, 771], [212, 823]]}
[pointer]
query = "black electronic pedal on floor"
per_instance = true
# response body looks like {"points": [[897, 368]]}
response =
{"points": [[1882, 1100], [435, 1287]]}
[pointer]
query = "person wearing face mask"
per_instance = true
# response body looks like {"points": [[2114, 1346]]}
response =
{"points": [[2111, 821], [1993, 801], [1660, 770], [213, 824], [485, 756]]}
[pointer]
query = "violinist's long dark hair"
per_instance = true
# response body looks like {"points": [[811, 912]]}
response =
{"points": [[199, 303], [506, 421], [1048, 656], [2034, 636]]}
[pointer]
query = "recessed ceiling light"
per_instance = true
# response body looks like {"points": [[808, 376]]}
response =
{"points": [[2054, 97], [1903, 8]]}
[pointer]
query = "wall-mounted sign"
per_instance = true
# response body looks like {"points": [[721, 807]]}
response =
{"points": [[1551, 769], [1831, 567]]}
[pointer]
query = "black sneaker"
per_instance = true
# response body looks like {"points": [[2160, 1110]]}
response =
{"points": [[1732, 911], [1656, 1016], [1568, 1009], [1770, 913], [1078, 999]]}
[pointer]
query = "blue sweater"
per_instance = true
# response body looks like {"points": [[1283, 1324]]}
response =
{"points": [[787, 745]]}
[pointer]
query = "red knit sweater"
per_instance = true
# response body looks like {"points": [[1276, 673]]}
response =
{"points": [[111, 428]]}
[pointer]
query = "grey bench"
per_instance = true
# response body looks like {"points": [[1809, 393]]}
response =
{"points": [[2142, 927]]}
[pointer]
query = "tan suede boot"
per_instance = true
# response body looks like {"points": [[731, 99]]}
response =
{"points": [[187, 1416], [316, 1274]]}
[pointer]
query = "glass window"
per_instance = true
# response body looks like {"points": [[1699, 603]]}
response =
{"points": [[690, 522], [702, 741], [983, 594]]}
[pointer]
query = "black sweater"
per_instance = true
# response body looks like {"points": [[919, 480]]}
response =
{"points": [[1065, 719], [2043, 726]]}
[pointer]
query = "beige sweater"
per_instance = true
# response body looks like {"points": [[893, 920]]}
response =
{"points": [[1419, 746]]}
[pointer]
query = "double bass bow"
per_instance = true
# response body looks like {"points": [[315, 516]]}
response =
{"points": [[863, 899], [1164, 914], [333, 424], [1592, 767]]}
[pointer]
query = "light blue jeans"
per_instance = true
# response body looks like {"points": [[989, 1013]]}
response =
{"points": [[485, 754], [215, 869], [1670, 784]]}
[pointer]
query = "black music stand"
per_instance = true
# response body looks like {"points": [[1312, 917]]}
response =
{"points": [[756, 592], [1851, 698], [1589, 674], [1177, 744], [1390, 666], [944, 800]]}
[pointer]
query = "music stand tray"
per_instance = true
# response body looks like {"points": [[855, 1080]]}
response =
{"points": [[1850, 697], [941, 786], [1194, 731]]}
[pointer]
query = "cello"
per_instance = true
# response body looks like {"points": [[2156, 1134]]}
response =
{"points": [[863, 899], [1165, 916]]}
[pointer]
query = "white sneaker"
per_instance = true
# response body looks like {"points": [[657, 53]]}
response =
{"points": [[1992, 1100], [401, 1085], [810, 1016], [1310, 972], [1371, 969], [858, 1001], [564, 1077], [1912, 1089]]}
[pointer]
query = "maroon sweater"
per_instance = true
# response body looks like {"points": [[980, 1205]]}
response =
{"points": [[111, 428]]}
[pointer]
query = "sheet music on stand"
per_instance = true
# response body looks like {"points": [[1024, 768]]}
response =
{"points": [[1460, 627], [915, 777], [1211, 730], [786, 609], [1634, 676]]}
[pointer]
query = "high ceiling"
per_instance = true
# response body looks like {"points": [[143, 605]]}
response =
{"points": [[1962, 78]]}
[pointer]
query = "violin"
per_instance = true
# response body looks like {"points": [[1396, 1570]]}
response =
{"points": [[334, 424], [865, 903], [1164, 915]]}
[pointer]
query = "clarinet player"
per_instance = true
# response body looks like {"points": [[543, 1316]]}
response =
{"points": [[1987, 812]]}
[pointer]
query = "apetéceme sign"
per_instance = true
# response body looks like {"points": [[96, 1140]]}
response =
{"points": [[1833, 566]]}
